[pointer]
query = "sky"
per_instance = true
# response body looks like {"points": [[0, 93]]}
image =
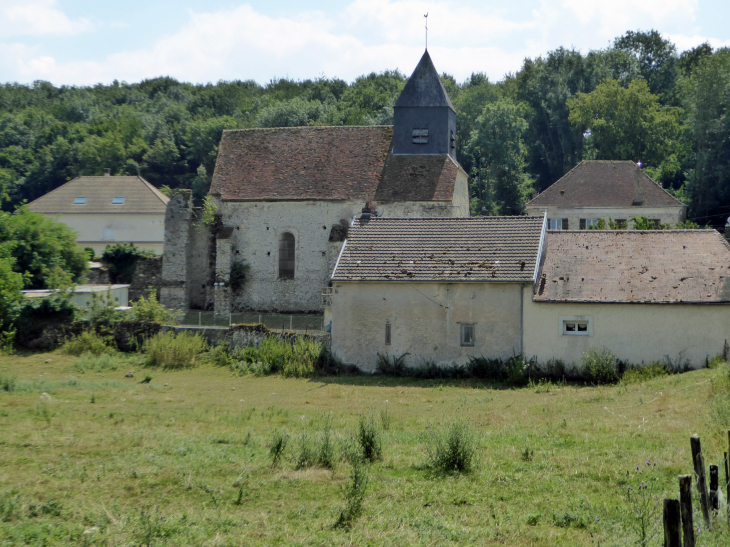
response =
{"points": [[85, 42]]}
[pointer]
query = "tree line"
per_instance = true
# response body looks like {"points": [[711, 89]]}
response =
{"points": [[639, 99]]}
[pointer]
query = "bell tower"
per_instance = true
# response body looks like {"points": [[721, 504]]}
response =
{"points": [[424, 120]]}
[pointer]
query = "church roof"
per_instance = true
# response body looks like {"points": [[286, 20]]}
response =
{"points": [[122, 194], [326, 163], [605, 184], [424, 87], [483, 249], [672, 266]]}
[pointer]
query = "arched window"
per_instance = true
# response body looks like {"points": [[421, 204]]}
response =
{"points": [[286, 255]]}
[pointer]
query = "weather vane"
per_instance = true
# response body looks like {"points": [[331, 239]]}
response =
{"points": [[426, 17]]}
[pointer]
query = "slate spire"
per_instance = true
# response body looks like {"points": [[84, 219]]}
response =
{"points": [[424, 119]]}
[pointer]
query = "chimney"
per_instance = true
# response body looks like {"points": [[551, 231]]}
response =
{"points": [[107, 172], [638, 188], [365, 218]]}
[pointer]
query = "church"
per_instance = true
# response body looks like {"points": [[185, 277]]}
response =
{"points": [[286, 197]]}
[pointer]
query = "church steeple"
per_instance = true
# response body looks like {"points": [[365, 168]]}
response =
{"points": [[424, 118]]}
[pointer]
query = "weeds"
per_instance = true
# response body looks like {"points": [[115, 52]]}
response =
{"points": [[642, 511], [7, 382], [327, 454], [599, 365], [305, 456], [453, 450], [87, 342], [150, 309], [368, 437], [106, 362], [385, 419], [174, 351], [636, 375], [278, 445], [354, 492]]}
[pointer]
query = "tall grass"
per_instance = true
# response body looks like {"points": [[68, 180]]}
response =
{"points": [[452, 450], [276, 355], [173, 351], [87, 341]]}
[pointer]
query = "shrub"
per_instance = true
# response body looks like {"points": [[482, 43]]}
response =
{"points": [[306, 454], [599, 365], [368, 437], [170, 350], [303, 359], [150, 309], [644, 373], [391, 365], [354, 492], [276, 355], [239, 273], [122, 260], [88, 342], [453, 450]]}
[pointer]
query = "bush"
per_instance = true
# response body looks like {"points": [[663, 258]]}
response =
{"points": [[354, 492], [326, 455], [33, 314], [122, 260], [171, 351], [644, 373], [600, 366], [453, 450], [306, 455], [151, 310], [88, 342], [368, 437], [276, 355]]}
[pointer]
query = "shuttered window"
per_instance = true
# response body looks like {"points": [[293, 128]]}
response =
{"points": [[286, 255]]}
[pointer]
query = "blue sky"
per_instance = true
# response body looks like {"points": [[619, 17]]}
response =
{"points": [[84, 42]]}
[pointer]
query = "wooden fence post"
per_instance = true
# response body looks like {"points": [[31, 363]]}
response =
{"points": [[699, 464], [685, 503], [672, 537], [714, 486]]}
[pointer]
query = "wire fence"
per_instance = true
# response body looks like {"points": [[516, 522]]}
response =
{"points": [[273, 321]]}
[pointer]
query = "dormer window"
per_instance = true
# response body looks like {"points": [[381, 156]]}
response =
{"points": [[80, 200], [118, 200], [420, 136]]}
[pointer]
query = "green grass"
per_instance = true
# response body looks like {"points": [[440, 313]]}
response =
{"points": [[185, 459]]}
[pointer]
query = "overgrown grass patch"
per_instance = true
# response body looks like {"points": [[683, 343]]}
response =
{"points": [[172, 350]]}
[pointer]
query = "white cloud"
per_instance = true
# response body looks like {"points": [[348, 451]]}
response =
{"points": [[38, 18], [363, 36]]}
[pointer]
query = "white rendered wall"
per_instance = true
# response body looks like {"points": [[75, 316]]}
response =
{"points": [[637, 333], [255, 240], [667, 215], [146, 231], [425, 321]]}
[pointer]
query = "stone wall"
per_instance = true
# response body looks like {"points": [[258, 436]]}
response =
{"points": [[147, 275]]}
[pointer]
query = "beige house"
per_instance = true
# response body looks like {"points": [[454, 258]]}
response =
{"points": [[108, 210], [645, 296], [617, 190], [440, 290]]}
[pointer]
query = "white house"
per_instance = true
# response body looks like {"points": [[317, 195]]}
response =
{"points": [[616, 190], [108, 210], [441, 290]]}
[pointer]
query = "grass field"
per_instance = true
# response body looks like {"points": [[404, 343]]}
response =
{"points": [[185, 458]]}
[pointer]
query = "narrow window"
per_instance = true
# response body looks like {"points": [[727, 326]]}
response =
{"points": [[467, 334], [387, 333], [576, 328], [420, 136], [119, 200], [80, 201], [286, 255]]}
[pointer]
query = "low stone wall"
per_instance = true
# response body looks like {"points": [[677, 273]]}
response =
{"points": [[241, 336]]}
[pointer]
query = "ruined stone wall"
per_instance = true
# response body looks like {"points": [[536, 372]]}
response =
{"points": [[147, 275], [200, 265]]}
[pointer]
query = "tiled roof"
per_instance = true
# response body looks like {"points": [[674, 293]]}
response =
{"points": [[635, 266], [493, 249], [139, 196], [424, 87], [605, 184], [297, 163], [417, 178]]}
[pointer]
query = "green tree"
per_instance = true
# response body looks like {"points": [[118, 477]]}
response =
{"points": [[657, 59], [44, 250], [11, 283], [499, 151], [626, 123]]}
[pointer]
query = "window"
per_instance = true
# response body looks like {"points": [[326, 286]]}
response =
{"points": [[576, 325], [286, 255], [119, 200], [557, 224], [420, 136], [80, 201], [387, 333], [586, 223], [467, 334]]}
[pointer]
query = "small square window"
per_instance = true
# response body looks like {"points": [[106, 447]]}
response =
{"points": [[576, 326], [80, 201], [119, 200], [467, 334], [420, 136], [387, 334]]}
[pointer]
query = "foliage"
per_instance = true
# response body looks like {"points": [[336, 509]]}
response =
{"points": [[210, 212], [150, 309], [354, 492], [35, 312], [368, 438], [106, 361], [11, 283], [43, 250], [642, 508], [299, 359], [643, 223], [452, 450], [239, 273], [278, 445], [600, 366], [173, 351], [644, 373], [122, 260], [89, 342]]}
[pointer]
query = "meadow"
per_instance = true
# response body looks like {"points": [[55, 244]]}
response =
{"points": [[202, 456]]}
